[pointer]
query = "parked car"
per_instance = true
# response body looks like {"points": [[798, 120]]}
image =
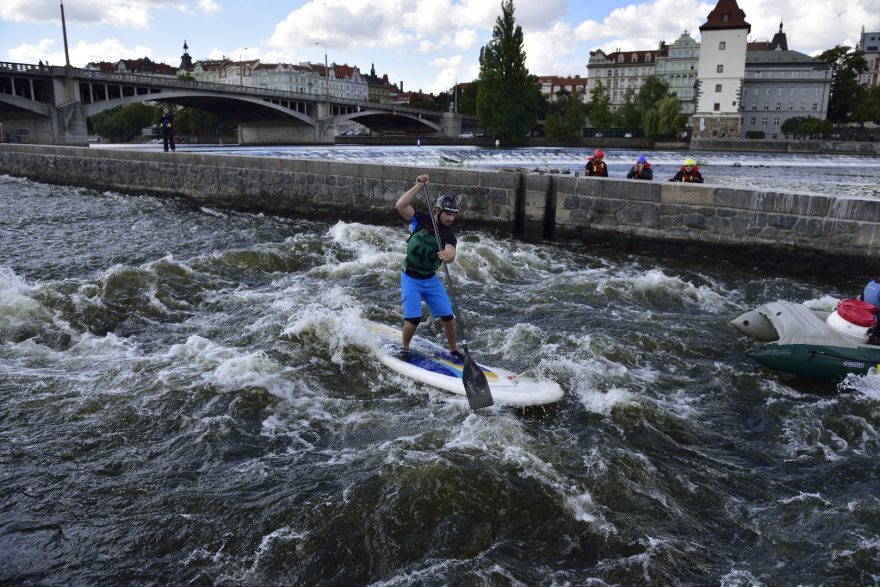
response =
{"points": [[466, 135]]}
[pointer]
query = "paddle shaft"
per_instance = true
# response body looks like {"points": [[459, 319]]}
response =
{"points": [[458, 317]]}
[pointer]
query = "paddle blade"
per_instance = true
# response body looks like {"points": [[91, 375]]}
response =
{"points": [[476, 386]]}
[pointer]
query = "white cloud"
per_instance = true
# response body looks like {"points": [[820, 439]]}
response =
{"points": [[552, 51], [209, 6], [47, 51]]}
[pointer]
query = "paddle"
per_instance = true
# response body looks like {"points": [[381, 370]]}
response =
{"points": [[476, 386]]}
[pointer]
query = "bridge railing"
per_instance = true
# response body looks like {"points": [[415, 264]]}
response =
{"points": [[172, 82], [24, 67]]}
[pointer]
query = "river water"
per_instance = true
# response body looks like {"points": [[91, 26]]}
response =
{"points": [[189, 397]]}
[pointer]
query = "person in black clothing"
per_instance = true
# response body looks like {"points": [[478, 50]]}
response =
{"points": [[595, 165], [419, 280], [689, 173], [167, 126], [641, 170]]}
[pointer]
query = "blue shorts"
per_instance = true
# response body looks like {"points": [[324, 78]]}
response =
{"points": [[413, 291]]}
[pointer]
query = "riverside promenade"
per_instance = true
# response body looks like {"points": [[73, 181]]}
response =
{"points": [[815, 232]]}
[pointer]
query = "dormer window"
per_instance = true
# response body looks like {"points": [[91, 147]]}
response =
{"points": [[634, 58], [647, 58], [620, 58], [725, 17]]}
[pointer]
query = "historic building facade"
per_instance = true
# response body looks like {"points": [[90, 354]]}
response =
{"points": [[869, 44], [780, 84], [678, 68], [620, 71]]}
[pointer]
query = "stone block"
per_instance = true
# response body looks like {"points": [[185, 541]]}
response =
{"points": [[683, 193]]}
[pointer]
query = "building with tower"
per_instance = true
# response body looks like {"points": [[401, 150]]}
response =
{"points": [[869, 44], [724, 38], [186, 61]]}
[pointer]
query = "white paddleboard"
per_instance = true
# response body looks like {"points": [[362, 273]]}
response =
{"points": [[430, 363]]}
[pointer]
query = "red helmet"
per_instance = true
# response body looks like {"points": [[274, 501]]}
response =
{"points": [[598, 154]]}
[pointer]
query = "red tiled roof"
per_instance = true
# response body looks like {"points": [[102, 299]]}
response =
{"points": [[726, 15]]}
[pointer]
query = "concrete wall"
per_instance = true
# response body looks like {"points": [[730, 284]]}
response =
{"points": [[820, 232]]}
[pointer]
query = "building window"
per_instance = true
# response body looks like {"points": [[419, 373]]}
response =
{"points": [[815, 107], [779, 92], [766, 106], [717, 87], [768, 91], [755, 91], [803, 106], [790, 106], [716, 107], [719, 69], [775, 122], [779, 105], [753, 120], [721, 45], [754, 106], [764, 121]]}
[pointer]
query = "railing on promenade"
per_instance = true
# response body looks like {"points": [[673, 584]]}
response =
{"points": [[173, 82]]}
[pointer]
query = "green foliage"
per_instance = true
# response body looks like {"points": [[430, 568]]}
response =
{"points": [[468, 97], [755, 134], [868, 108], [628, 115], [845, 89], [186, 76], [650, 123], [599, 108], [670, 120], [566, 119], [807, 127], [194, 122], [652, 91], [508, 97], [125, 122]]}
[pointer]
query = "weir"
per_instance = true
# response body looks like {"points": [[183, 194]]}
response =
{"points": [[815, 232]]}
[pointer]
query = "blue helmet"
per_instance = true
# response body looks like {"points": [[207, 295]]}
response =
{"points": [[642, 159], [447, 203]]}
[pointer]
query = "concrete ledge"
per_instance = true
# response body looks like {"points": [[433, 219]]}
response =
{"points": [[531, 206]]}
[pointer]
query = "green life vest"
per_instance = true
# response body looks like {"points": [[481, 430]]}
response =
{"points": [[421, 253]]}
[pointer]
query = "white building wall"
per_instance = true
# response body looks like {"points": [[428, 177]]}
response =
{"points": [[721, 71]]}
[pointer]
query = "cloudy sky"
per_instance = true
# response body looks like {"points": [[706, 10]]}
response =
{"points": [[426, 44]]}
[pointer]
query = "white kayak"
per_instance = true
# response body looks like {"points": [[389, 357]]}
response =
{"points": [[432, 364]]}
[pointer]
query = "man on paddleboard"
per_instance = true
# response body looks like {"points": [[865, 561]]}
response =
{"points": [[418, 279]]}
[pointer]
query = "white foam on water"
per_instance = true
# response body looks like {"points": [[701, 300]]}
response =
{"points": [[19, 311], [655, 281], [740, 578], [226, 368]]}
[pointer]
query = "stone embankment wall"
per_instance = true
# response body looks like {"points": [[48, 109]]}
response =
{"points": [[780, 146], [764, 227]]}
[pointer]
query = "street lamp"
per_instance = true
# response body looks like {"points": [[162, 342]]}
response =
{"points": [[326, 73], [241, 69]]}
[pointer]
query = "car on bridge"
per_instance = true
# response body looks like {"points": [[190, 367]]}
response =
{"points": [[466, 135]]}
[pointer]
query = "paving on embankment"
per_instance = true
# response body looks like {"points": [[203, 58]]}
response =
{"points": [[785, 230]]}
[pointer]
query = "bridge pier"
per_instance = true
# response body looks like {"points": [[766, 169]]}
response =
{"points": [[450, 125], [278, 134]]}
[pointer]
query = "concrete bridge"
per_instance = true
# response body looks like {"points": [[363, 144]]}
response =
{"points": [[43, 104]]}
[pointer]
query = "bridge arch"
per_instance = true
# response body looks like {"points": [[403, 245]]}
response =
{"points": [[238, 108]]}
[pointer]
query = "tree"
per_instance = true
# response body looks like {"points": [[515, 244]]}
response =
{"points": [[628, 115], [468, 97], [566, 120], [508, 95], [599, 108], [652, 91], [125, 122], [650, 122], [670, 120], [845, 88], [868, 108]]}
